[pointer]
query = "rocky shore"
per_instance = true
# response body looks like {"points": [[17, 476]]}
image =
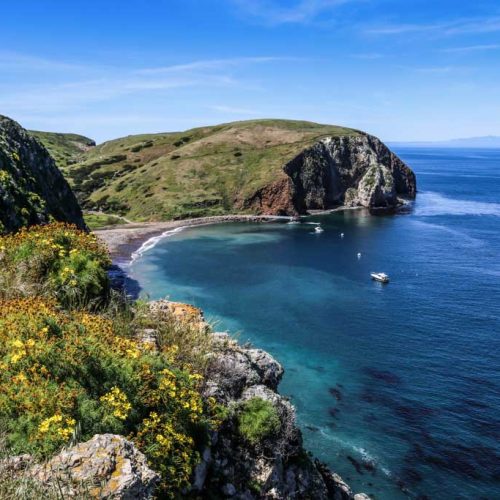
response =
{"points": [[276, 467]]}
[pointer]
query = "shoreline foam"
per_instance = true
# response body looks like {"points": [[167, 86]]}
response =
{"points": [[127, 242]]}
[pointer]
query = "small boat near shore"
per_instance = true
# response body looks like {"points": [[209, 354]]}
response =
{"points": [[318, 229], [382, 277]]}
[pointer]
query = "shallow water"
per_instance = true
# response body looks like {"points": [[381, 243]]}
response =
{"points": [[396, 386]]}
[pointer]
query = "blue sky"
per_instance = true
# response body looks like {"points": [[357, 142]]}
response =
{"points": [[402, 70]]}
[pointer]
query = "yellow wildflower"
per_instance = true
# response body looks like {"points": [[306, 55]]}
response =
{"points": [[117, 402]]}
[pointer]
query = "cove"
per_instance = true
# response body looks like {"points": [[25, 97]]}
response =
{"points": [[396, 386]]}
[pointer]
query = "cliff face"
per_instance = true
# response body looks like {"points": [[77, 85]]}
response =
{"points": [[32, 189], [354, 171], [277, 467]]}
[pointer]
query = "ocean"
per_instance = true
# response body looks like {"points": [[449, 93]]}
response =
{"points": [[397, 386]]}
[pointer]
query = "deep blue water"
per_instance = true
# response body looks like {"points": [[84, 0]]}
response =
{"points": [[396, 386]]}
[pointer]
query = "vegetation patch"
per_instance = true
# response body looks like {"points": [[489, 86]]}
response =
{"points": [[98, 221], [66, 149], [57, 261], [68, 372], [257, 420], [65, 376]]}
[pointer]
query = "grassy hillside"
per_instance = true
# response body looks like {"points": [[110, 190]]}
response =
{"points": [[64, 148], [203, 171]]}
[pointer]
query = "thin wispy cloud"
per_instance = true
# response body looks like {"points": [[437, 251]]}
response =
{"points": [[472, 48], [66, 89], [445, 28], [14, 61], [273, 12], [213, 64], [436, 70]]}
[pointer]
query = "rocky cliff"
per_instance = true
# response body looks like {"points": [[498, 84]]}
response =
{"points": [[352, 171], [32, 189], [277, 466]]}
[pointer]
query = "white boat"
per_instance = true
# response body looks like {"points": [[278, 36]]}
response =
{"points": [[382, 277], [318, 229]]}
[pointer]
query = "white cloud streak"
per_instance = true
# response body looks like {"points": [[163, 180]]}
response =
{"points": [[472, 48], [446, 28], [273, 13], [66, 89]]}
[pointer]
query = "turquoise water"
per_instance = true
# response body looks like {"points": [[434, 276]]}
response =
{"points": [[396, 386]]}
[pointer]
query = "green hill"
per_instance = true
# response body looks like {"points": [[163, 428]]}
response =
{"points": [[203, 171], [64, 148]]}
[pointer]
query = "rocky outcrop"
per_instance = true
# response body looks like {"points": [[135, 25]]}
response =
{"points": [[352, 171], [278, 467], [274, 199], [107, 466], [32, 189]]}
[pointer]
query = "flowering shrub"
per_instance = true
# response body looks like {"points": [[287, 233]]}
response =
{"points": [[56, 260], [67, 375]]}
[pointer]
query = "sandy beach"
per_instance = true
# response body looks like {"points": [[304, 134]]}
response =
{"points": [[125, 239]]}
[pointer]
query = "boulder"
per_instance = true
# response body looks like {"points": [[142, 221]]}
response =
{"points": [[180, 312], [106, 466]]}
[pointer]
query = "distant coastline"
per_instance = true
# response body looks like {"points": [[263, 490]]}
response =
{"points": [[487, 142]]}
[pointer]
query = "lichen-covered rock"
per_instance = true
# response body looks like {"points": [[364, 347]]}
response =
{"points": [[234, 368], [355, 171], [178, 311], [106, 466], [32, 189]]}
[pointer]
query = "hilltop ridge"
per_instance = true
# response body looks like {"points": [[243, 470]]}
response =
{"points": [[247, 167], [65, 148]]}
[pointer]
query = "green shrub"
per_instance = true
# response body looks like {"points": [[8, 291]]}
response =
{"points": [[57, 261], [68, 375], [257, 419]]}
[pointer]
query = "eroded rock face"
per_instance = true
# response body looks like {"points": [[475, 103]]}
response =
{"points": [[106, 466], [353, 171], [276, 198], [32, 189]]}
